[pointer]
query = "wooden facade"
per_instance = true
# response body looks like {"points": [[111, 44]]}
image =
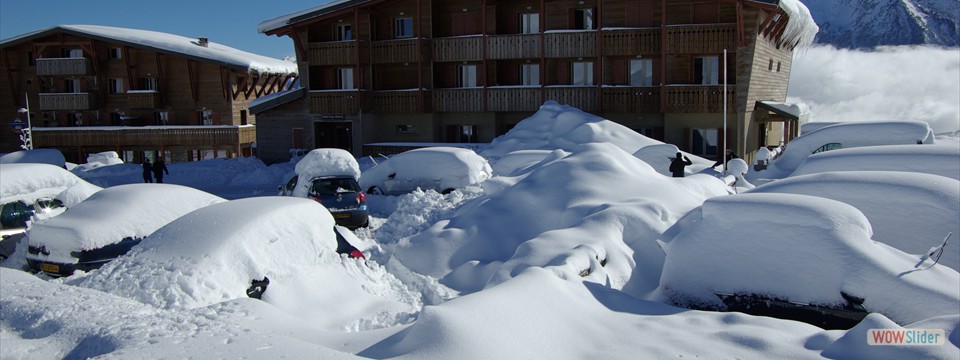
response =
{"points": [[650, 64], [89, 93]]}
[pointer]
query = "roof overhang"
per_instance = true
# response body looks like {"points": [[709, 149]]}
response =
{"points": [[266, 103], [796, 112]]}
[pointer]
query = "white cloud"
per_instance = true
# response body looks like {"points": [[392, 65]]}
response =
{"points": [[887, 83]]}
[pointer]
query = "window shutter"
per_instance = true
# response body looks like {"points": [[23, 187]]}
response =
{"points": [[513, 25], [216, 119], [563, 73], [451, 77], [329, 78], [572, 19], [619, 68]]}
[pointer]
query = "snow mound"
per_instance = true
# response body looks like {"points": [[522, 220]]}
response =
{"points": [[211, 255], [943, 160], [659, 157], [41, 156], [755, 253], [28, 182]]}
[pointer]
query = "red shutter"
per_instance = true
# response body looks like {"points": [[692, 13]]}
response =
{"points": [[216, 119], [450, 76], [563, 73], [512, 26], [619, 68], [572, 19], [633, 14], [329, 78]]}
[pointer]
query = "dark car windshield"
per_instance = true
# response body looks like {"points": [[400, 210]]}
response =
{"points": [[334, 186]]}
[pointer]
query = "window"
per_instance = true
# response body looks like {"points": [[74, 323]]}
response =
{"points": [[406, 129], [116, 86], [582, 73], [345, 78], [583, 19], [116, 53], [344, 32], [705, 70], [641, 72], [530, 74], [462, 133], [770, 65], [468, 76], [75, 119], [71, 86], [530, 23], [403, 27], [163, 117], [778, 66], [828, 147], [206, 117], [703, 142], [73, 53], [149, 83]]}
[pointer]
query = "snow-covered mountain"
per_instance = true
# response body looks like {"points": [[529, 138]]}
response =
{"points": [[869, 23]]}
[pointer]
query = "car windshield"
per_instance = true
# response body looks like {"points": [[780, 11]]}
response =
{"points": [[334, 186]]}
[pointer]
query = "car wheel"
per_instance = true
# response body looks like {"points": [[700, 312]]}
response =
{"points": [[374, 190]]}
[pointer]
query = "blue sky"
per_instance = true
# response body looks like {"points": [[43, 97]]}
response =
{"points": [[232, 22]]}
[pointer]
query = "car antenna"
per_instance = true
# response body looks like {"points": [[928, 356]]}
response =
{"points": [[935, 253]]}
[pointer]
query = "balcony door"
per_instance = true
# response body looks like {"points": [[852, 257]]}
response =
{"points": [[530, 23], [706, 70], [344, 32], [71, 86]]}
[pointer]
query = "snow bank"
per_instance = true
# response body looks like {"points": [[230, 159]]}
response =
{"points": [[114, 213], [438, 168], [659, 157], [28, 182], [42, 156], [211, 255], [943, 160], [324, 162], [810, 251], [933, 204]]}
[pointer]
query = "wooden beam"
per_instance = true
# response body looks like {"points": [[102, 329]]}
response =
{"points": [[240, 87], [193, 82], [766, 22], [251, 86], [302, 54], [13, 88], [263, 87], [292, 81], [126, 61], [225, 83], [741, 34], [160, 79]]}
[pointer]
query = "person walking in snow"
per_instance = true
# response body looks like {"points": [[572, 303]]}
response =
{"points": [[730, 155], [159, 168], [147, 175], [678, 164]]}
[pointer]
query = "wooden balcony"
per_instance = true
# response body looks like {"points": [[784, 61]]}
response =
{"points": [[631, 42], [513, 99], [458, 100], [334, 102], [143, 99], [699, 99], [519, 46], [63, 66], [570, 44], [397, 101], [153, 136], [462, 48], [581, 97], [336, 52], [623, 99], [399, 51], [68, 101], [701, 39]]}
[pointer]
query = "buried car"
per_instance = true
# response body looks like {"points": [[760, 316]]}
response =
{"points": [[107, 224], [329, 176], [440, 168], [281, 250]]}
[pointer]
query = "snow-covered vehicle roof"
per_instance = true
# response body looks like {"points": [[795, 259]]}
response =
{"points": [[115, 213], [849, 135], [937, 159], [324, 162], [803, 249], [43, 156], [28, 182], [883, 197], [438, 168], [211, 255]]}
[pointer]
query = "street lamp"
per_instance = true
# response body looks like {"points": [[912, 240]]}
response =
{"points": [[27, 135]]}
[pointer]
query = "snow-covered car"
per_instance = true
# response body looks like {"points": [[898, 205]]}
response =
{"points": [[107, 224], [443, 169], [802, 258], [329, 176], [282, 250]]}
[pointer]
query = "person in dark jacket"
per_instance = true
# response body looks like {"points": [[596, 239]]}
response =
{"points": [[730, 156], [678, 164], [147, 176], [159, 168]]}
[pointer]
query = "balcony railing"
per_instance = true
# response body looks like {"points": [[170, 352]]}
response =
{"points": [[570, 44], [581, 97], [458, 100], [397, 101], [113, 137], [67, 101], [631, 42], [63, 66], [631, 99], [519, 46], [699, 99], [334, 102], [464, 48], [143, 99], [336, 52], [513, 98], [700, 39], [398, 51]]}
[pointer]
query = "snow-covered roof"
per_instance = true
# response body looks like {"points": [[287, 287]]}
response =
{"points": [[801, 29], [284, 20], [795, 111], [168, 43]]}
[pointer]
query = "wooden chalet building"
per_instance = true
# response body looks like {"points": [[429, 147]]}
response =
{"points": [[457, 71], [92, 89]]}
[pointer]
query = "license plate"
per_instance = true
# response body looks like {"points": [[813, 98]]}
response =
{"points": [[51, 268], [341, 216]]}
